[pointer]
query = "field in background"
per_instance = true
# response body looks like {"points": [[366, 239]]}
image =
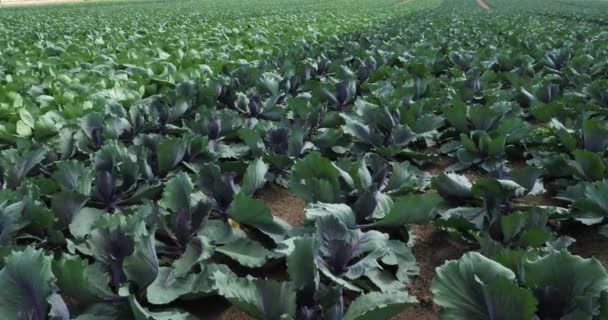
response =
{"points": [[34, 2], [304, 159], [25, 2]]}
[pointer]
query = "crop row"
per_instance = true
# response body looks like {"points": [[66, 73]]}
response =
{"points": [[133, 152]]}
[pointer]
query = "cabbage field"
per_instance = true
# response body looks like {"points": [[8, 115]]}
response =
{"points": [[304, 159]]}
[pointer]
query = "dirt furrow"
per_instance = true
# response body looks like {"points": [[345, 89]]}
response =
{"points": [[484, 4]]}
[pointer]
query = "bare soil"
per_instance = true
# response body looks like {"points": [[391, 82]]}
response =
{"points": [[233, 313], [484, 4], [438, 167], [401, 2], [283, 204], [589, 243], [432, 249]]}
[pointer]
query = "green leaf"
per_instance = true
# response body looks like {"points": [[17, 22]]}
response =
{"points": [[187, 89], [591, 277], [168, 287], [47, 126], [411, 209], [342, 212], [587, 212], [142, 266], [466, 159], [363, 175], [527, 177], [347, 253], [497, 146], [589, 165], [369, 263], [384, 204], [205, 281], [567, 139], [457, 116], [247, 210], [11, 220], [376, 305], [484, 118], [90, 123], [253, 140], [278, 230], [177, 193], [27, 118], [17, 99], [451, 185], [514, 129], [406, 178], [67, 205], [83, 222], [471, 288], [505, 300], [106, 311], [493, 192], [118, 94], [170, 153], [513, 259], [74, 176], [278, 299], [315, 179], [221, 232], [26, 281], [59, 310], [603, 315], [301, 265], [468, 144], [385, 281], [21, 164], [197, 250], [247, 252], [401, 256], [23, 130], [535, 237], [111, 245], [241, 293], [254, 213], [141, 313], [255, 177], [595, 193], [261, 299], [511, 225], [81, 281], [595, 134]]}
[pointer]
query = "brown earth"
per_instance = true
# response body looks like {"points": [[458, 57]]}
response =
{"points": [[438, 167], [484, 4], [283, 204], [432, 249], [233, 313], [589, 243], [401, 3]]}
